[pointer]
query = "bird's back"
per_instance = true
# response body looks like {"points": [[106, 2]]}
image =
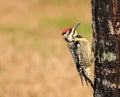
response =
{"points": [[82, 51]]}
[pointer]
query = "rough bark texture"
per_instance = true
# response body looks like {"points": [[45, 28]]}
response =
{"points": [[106, 33]]}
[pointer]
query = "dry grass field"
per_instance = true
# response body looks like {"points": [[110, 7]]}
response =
{"points": [[34, 59]]}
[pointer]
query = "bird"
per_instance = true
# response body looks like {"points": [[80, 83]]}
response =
{"points": [[80, 49]]}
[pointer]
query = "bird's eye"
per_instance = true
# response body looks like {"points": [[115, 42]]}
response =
{"points": [[66, 39]]}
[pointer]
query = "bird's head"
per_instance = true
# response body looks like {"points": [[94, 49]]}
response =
{"points": [[70, 33]]}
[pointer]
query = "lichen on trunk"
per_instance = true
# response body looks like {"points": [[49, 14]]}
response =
{"points": [[106, 36]]}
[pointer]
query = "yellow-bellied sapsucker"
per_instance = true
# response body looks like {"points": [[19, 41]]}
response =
{"points": [[81, 52]]}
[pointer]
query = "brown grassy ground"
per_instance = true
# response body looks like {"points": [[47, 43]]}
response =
{"points": [[34, 59]]}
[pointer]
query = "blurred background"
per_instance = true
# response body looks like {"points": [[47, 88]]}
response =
{"points": [[34, 58]]}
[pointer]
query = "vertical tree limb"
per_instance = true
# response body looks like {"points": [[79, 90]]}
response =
{"points": [[106, 37]]}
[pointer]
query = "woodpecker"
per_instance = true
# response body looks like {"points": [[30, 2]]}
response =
{"points": [[80, 49]]}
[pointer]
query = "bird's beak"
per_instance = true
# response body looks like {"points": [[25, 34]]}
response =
{"points": [[75, 27]]}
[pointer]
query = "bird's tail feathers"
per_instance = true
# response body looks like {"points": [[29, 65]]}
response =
{"points": [[87, 78]]}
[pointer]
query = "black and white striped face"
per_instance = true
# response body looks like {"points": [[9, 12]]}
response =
{"points": [[69, 34]]}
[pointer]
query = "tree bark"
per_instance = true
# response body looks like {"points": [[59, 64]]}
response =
{"points": [[106, 40]]}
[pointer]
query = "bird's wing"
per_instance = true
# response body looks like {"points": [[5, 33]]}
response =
{"points": [[74, 50]]}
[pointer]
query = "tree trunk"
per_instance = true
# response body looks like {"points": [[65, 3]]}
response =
{"points": [[106, 39]]}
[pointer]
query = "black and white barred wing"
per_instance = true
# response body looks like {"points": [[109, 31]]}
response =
{"points": [[81, 55]]}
